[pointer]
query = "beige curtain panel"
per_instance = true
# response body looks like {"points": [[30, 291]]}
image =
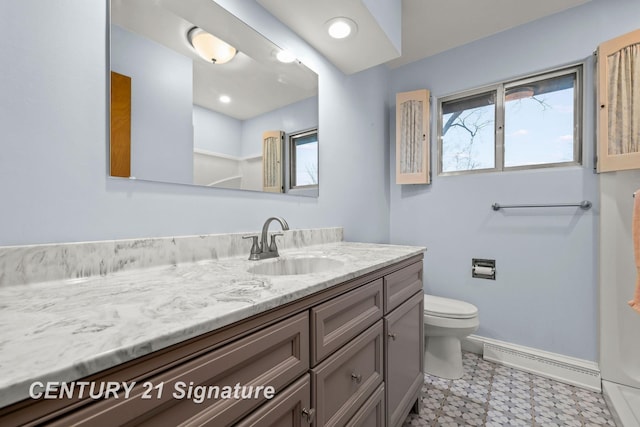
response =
{"points": [[411, 138], [271, 160], [624, 100]]}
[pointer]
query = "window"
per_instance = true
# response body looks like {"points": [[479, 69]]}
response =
{"points": [[528, 123], [468, 133], [304, 159]]}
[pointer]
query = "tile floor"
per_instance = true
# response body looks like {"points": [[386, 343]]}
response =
{"points": [[494, 395]]}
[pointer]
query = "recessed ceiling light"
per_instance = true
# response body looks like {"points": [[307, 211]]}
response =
{"points": [[209, 47], [285, 56], [225, 99], [341, 27]]}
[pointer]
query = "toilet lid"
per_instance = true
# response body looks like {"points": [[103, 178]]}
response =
{"points": [[451, 308]]}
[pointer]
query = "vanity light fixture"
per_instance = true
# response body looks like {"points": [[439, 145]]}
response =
{"points": [[341, 27], [209, 47], [285, 56], [225, 99]]}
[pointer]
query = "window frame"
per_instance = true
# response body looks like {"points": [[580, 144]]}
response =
{"points": [[499, 140], [292, 158]]}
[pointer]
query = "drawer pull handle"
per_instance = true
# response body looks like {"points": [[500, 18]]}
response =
{"points": [[391, 335], [308, 414], [357, 378]]}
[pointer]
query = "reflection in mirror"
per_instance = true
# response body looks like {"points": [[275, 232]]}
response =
{"points": [[184, 117], [303, 149]]}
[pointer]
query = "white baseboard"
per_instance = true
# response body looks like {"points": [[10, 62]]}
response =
{"points": [[474, 344], [570, 370]]}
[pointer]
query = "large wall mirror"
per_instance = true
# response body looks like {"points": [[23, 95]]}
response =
{"points": [[240, 114]]}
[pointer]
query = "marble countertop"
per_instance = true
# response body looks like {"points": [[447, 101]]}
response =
{"points": [[67, 329]]}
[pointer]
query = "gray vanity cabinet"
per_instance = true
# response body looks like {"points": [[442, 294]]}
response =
{"points": [[341, 385], [349, 355]]}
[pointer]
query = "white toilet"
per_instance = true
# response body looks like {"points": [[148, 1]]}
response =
{"points": [[446, 323]]}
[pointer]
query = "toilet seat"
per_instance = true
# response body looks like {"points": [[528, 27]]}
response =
{"points": [[448, 308]]}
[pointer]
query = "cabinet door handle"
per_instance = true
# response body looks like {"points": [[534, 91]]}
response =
{"points": [[308, 414], [391, 335], [357, 378]]}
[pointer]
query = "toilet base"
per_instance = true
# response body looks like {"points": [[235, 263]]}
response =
{"points": [[443, 357]]}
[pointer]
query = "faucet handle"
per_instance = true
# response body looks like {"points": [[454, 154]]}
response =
{"points": [[273, 247], [255, 247]]}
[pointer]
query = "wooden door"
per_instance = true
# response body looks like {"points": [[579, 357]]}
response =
{"points": [[120, 141]]}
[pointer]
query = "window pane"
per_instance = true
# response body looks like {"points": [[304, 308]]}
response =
{"points": [[539, 122], [468, 133], [305, 158]]}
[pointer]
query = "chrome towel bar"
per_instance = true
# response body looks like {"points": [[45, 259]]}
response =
{"points": [[585, 204]]}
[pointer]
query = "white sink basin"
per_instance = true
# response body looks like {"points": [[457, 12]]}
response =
{"points": [[298, 265]]}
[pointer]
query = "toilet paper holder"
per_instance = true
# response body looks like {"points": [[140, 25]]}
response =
{"points": [[483, 268]]}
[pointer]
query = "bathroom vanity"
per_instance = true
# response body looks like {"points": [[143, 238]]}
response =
{"points": [[337, 347]]}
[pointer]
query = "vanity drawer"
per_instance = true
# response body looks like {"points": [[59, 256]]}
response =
{"points": [[402, 284], [371, 414], [344, 381], [274, 356], [284, 410], [339, 320]]}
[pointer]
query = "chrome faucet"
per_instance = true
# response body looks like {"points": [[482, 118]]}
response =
{"points": [[263, 250]]}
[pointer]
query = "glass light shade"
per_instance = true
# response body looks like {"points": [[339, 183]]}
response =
{"points": [[285, 56], [341, 28], [211, 48]]}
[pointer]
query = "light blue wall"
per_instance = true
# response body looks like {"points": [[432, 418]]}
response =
{"points": [[545, 294], [53, 167], [161, 106], [216, 132]]}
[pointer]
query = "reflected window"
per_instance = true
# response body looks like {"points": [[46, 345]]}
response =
{"points": [[304, 159]]}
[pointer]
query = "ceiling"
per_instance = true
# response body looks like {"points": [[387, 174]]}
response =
{"points": [[428, 26]]}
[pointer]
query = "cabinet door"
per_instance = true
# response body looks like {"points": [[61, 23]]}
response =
{"points": [[619, 103], [404, 362], [290, 408]]}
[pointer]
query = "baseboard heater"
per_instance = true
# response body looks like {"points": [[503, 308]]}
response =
{"points": [[566, 369]]}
